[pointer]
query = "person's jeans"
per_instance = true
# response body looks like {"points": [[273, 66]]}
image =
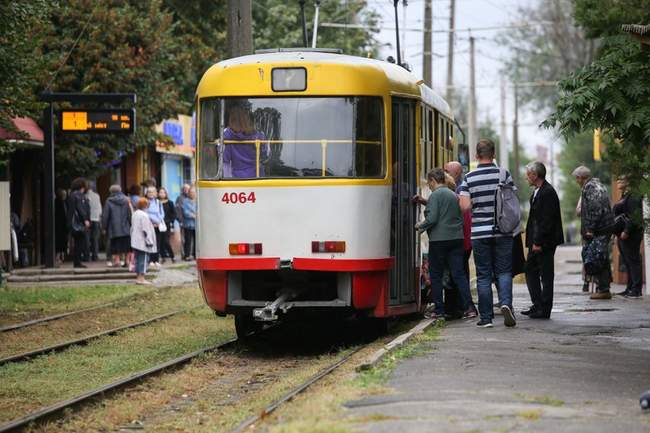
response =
{"points": [[493, 258], [95, 231], [631, 255], [79, 246], [164, 248], [141, 260], [448, 254], [189, 246], [155, 257]]}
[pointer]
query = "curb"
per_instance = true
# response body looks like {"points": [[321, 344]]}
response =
{"points": [[397, 342]]}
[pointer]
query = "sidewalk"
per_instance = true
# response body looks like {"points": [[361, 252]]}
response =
{"points": [[582, 371]]}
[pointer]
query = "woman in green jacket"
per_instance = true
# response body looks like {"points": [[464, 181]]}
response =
{"points": [[443, 222]]}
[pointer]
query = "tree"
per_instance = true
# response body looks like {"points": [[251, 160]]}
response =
{"points": [[201, 27], [121, 46], [22, 62], [612, 92], [277, 24], [547, 51]]}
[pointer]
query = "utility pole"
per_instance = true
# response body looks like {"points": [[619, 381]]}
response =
{"points": [[471, 112], [450, 51], [515, 139], [405, 4], [503, 137], [240, 33], [428, 44]]}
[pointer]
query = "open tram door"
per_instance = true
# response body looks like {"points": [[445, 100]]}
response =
{"points": [[403, 239]]}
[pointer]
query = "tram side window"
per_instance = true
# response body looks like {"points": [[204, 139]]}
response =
{"points": [[210, 133], [369, 157]]}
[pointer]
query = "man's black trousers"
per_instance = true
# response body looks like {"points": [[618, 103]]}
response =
{"points": [[540, 272]]}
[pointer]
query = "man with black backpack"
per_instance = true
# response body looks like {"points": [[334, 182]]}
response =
{"points": [[489, 192]]}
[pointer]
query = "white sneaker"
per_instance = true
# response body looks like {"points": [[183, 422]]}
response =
{"points": [[109, 264]]}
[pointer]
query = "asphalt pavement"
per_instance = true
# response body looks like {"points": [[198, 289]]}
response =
{"points": [[581, 371]]}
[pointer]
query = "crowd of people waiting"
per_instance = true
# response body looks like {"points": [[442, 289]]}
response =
{"points": [[136, 228], [463, 215]]}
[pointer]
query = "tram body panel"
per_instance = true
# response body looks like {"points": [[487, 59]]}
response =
{"points": [[286, 220]]}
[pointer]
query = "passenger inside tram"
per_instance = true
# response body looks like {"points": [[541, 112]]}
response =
{"points": [[242, 144]]}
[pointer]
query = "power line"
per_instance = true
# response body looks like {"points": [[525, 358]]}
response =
{"points": [[65, 60], [470, 30]]}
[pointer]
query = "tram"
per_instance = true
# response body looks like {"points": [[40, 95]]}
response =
{"points": [[307, 162]]}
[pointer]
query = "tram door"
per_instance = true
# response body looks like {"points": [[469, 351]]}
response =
{"points": [[403, 212]]}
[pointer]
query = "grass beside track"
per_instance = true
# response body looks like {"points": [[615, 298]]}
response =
{"points": [[26, 387], [20, 304], [135, 309], [321, 410]]}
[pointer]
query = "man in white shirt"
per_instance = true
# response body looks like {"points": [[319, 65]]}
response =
{"points": [[95, 221]]}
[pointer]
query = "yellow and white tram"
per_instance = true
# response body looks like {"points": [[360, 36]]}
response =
{"points": [[307, 162]]}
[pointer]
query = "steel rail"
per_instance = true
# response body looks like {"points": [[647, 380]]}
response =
{"points": [[61, 346], [291, 394], [53, 317], [70, 313], [57, 408]]}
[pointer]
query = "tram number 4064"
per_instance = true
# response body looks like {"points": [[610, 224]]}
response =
{"points": [[238, 197]]}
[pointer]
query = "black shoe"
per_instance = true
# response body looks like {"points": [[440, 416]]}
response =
{"points": [[633, 295], [623, 293], [484, 323], [585, 287], [529, 311], [80, 266], [508, 316], [539, 315]]}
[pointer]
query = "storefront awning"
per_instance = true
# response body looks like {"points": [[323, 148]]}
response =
{"points": [[33, 133]]}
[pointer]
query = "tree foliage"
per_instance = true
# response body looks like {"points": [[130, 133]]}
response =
{"points": [[122, 46], [612, 93], [277, 24], [22, 62], [548, 51]]}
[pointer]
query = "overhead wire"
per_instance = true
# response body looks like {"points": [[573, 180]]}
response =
{"points": [[74, 45]]}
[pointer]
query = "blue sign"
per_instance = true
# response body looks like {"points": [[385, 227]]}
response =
{"points": [[193, 132], [174, 130]]}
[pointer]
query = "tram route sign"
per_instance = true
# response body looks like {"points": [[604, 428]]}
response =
{"points": [[97, 121]]}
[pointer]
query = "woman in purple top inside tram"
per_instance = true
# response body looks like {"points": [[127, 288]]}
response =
{"points": [[241, 157]]}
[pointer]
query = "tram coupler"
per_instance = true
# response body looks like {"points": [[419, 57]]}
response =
{"points": [[268, 313]]}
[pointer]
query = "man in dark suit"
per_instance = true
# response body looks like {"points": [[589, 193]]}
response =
{"points": [[543, 234]]}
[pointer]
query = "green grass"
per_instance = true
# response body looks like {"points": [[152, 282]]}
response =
{"points": [[63, 298], [380, 374], [541, 399], [51, 378]]}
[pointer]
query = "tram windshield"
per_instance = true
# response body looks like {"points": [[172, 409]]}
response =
{"points": [[248, 138]]}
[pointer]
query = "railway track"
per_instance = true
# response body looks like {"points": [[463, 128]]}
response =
{"points": [[33, 322], [80, 341], [294, 392], [52, 411]]}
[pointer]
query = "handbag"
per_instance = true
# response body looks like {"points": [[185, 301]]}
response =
{"points": [[595, 255], [162, 227], [620, 222], [77, 225]]}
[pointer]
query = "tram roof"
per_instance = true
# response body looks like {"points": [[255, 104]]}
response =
{"points": [[397, 79]]}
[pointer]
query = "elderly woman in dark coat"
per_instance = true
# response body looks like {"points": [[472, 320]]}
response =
{"points": [[116, 222]]}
